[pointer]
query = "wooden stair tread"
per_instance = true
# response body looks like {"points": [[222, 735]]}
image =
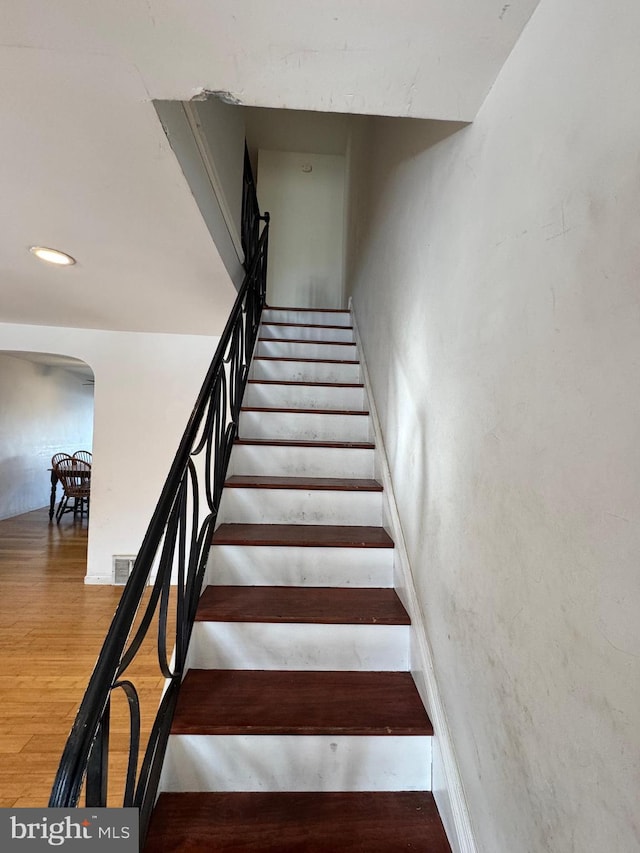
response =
{"points": [[308, 341], [356, 412], [302, 325], [351, 822], [305, 384], [308, 310], [295, 442], [261, 702], [337, 484], [298, 604], [294, 358], [306, 535]]}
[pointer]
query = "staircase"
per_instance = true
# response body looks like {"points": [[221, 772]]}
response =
{"points": [[298, 725]]}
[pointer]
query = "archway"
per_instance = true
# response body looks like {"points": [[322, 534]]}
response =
{"points": [[47, 408]]}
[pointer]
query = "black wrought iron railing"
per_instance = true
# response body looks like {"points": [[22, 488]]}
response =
{"points": [[250, 210], [175, 548]]}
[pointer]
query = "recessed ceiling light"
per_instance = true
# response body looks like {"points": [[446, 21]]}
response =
{"points": [[52, 256]]}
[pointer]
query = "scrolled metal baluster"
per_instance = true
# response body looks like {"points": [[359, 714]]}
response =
{"points": [[188, 562], [149, 776], [235, 357], [196, 575], [211, 409], [98, 764], [213, 444], [241, 370], [162, 581], [176, 535], [180, 651], [205, 442], [133, 701], [235, 403], [247, 340]]}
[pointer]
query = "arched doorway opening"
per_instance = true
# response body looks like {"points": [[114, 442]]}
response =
{"points": [[47, 408]]}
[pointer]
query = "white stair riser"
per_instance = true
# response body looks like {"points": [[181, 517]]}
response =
{"points": [[304, 397], [317, 318], [273, 565], [298, 506], [332, 762], [289, 349], [305, 333], [305, 371], [297, 763], [304, 426], [294, 646], [290, 461]]}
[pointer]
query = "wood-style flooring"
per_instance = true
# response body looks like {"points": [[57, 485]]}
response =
{"points": [[52, 627]]}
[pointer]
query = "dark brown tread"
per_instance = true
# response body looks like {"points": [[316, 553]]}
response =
{"points": [[303, 535], [305, 360], [305, 384], [333, 484], [300, 604], [307, 341], [307, 822], [356, 412], [268, 702], [303, 325], [314, 310], [293, 442]]}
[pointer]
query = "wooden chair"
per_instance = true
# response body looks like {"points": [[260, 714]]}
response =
{"points": [[84, 456], [57, 457], [75, 477]]}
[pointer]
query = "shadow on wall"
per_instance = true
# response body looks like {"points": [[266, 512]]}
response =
{"points": [[47, 408], [417, 135]]}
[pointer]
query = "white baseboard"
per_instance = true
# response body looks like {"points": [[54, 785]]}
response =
{"points": [[446, 781], [105, 580]]}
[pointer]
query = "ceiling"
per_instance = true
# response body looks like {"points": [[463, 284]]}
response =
{"points": [[75, 366], [86, 167]]}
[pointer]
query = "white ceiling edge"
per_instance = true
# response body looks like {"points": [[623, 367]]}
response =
{"points": [[412, 58], [87, 169], [103, 185], [79, 369]]}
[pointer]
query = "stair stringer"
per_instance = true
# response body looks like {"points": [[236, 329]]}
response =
{"points": [[446, 784]]}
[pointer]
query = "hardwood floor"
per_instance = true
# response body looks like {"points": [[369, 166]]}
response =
{"points": [[52, 627]]}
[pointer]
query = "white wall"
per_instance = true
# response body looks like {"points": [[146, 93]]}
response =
{"points": [[214, 189], [305, 266], [145, 388], [496, 290], [295, 130], [43, 410], [222, 132]]}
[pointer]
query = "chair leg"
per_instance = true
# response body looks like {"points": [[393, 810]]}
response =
{"points": [[61, 508]]}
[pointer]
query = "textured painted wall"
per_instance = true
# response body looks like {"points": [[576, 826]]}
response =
{"points": [[43, 410], [496, 289]]}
